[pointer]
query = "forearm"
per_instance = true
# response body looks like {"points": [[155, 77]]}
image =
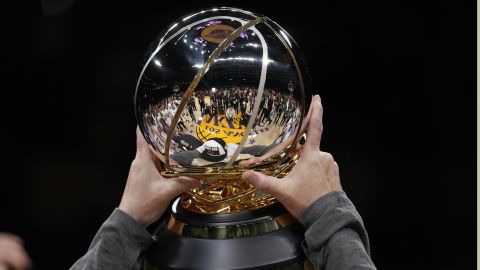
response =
{"points": [[117, 245], [335, 237]]}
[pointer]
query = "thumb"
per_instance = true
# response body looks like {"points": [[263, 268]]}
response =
{"points": [[142, 145], [143, 151], [262, 182], [181, 184]]}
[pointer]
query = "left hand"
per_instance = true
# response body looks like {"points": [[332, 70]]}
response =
{"points": [[147, 193]]}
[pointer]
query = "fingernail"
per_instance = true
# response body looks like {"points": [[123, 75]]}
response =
{"points": [[317, 98]]}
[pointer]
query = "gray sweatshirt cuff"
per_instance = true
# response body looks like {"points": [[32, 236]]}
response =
{"points": [[132, 232], [322, 206], [327, 216], [118, 244]]}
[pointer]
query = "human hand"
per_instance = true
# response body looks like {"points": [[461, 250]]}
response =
{"points": [[147, 193], [12, 253], [314, 175]]}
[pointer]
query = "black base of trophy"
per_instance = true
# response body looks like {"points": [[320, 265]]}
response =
{"points": [[266, 238]]}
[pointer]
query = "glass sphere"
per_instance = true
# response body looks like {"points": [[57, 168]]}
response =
{"points": [[221, 88]]}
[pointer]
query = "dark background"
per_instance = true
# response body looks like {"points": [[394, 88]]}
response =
{"points": [[397, 81]]}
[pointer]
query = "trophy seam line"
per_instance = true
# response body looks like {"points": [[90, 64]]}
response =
{"points": [[261, 86]]}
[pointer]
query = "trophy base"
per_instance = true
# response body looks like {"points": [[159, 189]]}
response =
{"points": [[265, 238]]}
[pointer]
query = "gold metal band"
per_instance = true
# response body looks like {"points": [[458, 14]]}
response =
{"points": [[188, 93]]}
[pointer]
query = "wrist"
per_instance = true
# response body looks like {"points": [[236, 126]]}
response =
{"points": [[322, 205], [134, 215]]}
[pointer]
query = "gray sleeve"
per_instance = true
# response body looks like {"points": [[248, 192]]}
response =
{"points": [[335, 237], [117, 245]]}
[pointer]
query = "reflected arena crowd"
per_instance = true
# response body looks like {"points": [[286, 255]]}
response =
{"points": [[232, 106]]}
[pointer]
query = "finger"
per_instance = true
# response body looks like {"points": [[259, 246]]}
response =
{"points": [[306, 119], [245, 162], [250, 161], [12, 237], [179, 185], [315, 125], [143, 150], [18, 259], [263, 182]]}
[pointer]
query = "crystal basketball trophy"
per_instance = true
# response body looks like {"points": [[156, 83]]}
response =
{"points": [[221, 91]]}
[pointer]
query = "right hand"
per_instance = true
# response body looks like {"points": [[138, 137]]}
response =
{"points": [[314, 175], [12, 253]]}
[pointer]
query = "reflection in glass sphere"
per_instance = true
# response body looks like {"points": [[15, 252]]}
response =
{"points": [[218, 87]]}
